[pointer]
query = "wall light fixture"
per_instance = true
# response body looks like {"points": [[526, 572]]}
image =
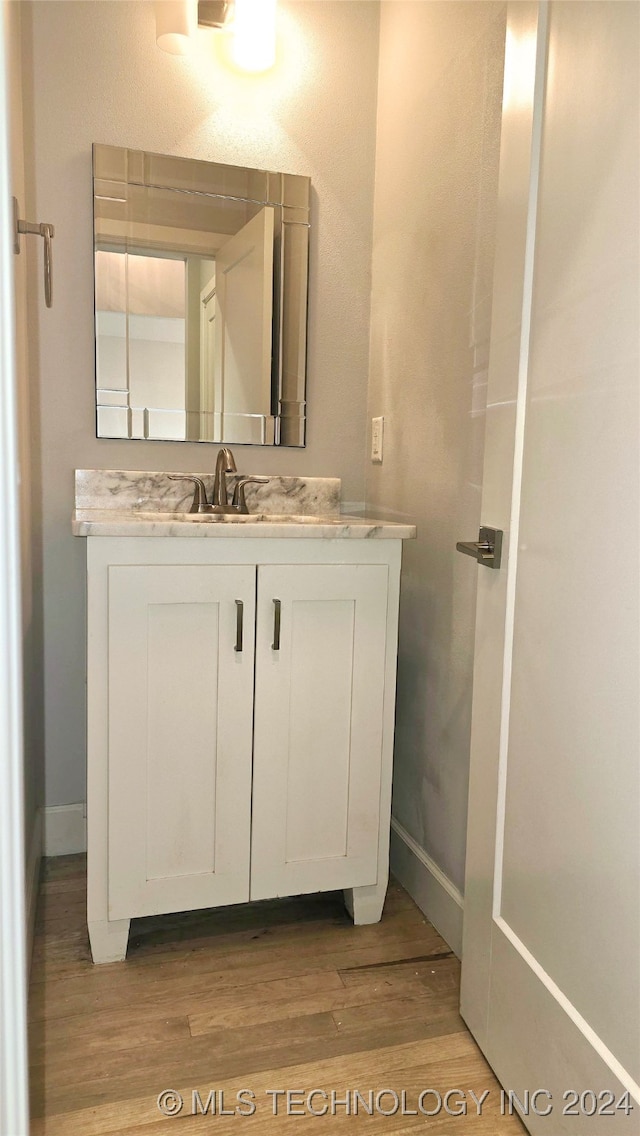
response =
{"points": [[251, 25], [176, 22]]}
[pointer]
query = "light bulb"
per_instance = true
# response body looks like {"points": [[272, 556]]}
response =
{"points": [[254, 34]]}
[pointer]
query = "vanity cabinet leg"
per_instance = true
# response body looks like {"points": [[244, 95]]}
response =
{"points": [[109, 939], [365, 904]]}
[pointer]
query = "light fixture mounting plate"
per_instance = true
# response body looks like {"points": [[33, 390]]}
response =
{"points": [[215, 13]]}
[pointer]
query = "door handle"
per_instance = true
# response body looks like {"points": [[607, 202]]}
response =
{"points": [[239, 625], [277, 609], [487, 549]]}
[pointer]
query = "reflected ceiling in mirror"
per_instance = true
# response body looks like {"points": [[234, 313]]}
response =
{"points": [[201, 273]]}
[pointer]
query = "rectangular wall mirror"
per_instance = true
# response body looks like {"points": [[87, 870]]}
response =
{"points": [[201, 274]]}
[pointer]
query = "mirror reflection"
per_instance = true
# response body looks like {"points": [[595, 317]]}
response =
{"points": [[200, 300]]}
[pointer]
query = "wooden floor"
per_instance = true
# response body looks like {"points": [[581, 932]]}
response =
{"points": [[283, 995]]}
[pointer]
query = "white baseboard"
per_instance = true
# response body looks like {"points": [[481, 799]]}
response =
{"points": [[65, 830], [428, 886], [32, 881]]}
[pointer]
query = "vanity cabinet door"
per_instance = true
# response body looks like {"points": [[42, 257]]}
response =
{"points": [[180, 735], [320, 674]]}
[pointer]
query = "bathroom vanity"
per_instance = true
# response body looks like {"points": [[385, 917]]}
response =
{"points": [[241, 687]]}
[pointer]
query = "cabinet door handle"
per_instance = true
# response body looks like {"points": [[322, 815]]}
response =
{"points": [[239, 625], [277, 608]]}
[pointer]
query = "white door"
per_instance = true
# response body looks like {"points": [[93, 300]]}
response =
{"points": [[244, 300], [320, 665], [551, 970], [181, 651]]}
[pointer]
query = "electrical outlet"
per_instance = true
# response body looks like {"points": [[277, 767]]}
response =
{"points": [[377, 431]]}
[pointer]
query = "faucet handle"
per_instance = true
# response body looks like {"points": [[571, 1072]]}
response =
{"points": [[199, 503], [239, 501]]}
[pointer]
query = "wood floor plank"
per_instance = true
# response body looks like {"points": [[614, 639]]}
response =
{"points": [[332, 1000], [441, 1063], [65, 1039], [389, 1010], [64, 868], [208, 1062]]}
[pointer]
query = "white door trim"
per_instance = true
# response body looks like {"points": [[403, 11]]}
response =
{"points": [[14, 1116]]}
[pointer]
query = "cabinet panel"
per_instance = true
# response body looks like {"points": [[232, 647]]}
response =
{"points": [[318, 727], [180, 709], [319, 743], [181, 738]]}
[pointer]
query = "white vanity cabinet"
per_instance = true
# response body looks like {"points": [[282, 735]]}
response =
{"points": [[240, 724]]}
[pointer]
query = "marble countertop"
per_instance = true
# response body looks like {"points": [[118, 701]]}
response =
{"points": [[141, 503], [110, 522]]}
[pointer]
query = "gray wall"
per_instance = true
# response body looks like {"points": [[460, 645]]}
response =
{"points": [[439, 101], [99, 77]]}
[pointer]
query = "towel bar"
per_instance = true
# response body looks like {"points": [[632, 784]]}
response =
{"points": [[40, 230]]}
